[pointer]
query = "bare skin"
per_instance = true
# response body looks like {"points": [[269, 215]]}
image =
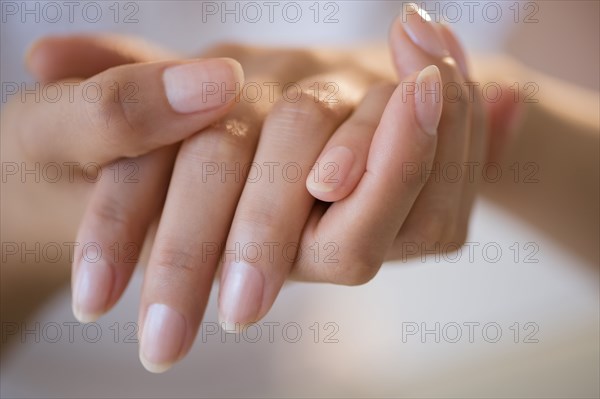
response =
{"points": [[63, 205]]}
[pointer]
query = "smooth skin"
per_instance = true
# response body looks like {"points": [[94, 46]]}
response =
{"points": [[375, 128]]}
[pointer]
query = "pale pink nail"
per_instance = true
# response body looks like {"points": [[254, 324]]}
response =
{"points": [[162, 338], [202, 85], [419, 26], [93, 286], [428, 99], [331, 170], [240, 296]]}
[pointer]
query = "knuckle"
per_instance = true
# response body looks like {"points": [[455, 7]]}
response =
{"points": [[111, 212], [170, 260], [306, 110], [261, 217], [359, 268], [358, 273]]}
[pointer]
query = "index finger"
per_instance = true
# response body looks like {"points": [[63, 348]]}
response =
{"points": [[126, 111]]}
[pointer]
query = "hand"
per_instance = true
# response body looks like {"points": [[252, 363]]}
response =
{"points": [[178, 277]]}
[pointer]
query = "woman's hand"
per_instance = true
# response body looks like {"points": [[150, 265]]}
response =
{"points": [[371, 133]]}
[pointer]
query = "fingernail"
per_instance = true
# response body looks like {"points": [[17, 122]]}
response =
{"points": [[240, 297], [331, 170], [456, 50], [93, 285], [419, 26], [428, 99], [162, 338], [202, 85]]}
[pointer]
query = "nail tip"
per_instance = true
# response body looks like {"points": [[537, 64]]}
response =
{"points": [[83, 317], [319, 188], [430, 71], [154, 367], [228, 326]]}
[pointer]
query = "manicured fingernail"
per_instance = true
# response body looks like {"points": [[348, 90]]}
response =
{"points": [[428, 99], [162, 338], [331, 170], [456, 50], [202, 85], [419, 26], [240, 297], [93, 285]]}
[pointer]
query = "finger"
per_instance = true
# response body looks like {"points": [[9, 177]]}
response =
{"points": [[126, 199], [343, 160], [435, 215], [353, 235], [204, 192], [273, 210], [415, 40], [206, 185], [129, 110], [478, 129], [53, 58], [123, 204]]}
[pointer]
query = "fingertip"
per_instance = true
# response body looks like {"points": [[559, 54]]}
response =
{"points": [[84, 317], [236, 68], [324, 193], [162, 338], [318, 190], [155, 368], [91, 290], [240, 295], [331, 178]]}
